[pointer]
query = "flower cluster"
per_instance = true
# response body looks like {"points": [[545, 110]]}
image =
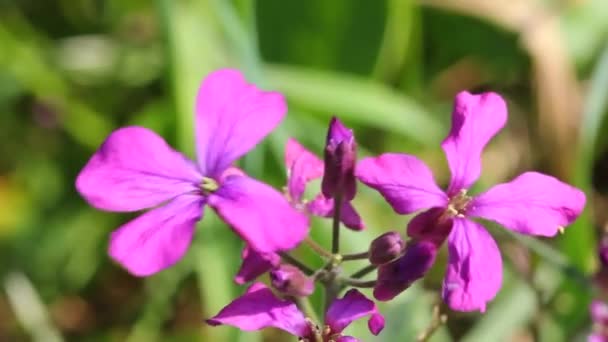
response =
{"points": [[135, 169]]}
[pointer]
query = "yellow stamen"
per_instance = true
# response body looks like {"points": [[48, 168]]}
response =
{"points": [[209, 185]]}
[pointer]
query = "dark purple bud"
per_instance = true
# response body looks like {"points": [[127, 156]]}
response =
{"points": [[400, 274], [386, 248], [603, 251], [289, 280], [340, 159]]}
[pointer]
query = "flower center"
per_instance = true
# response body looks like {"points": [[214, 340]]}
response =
{"points": [[209, 185], [457, 206]]}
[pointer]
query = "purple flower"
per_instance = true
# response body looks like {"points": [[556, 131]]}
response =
{"points": [[532, 203], [303, 167], [259, 308], [135, 169]]}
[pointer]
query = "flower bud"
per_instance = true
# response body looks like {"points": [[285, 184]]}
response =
{"points": [[386, 248], [289, 280], [400, 274], [340, 159]]}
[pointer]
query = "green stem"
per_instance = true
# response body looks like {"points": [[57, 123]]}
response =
{"points": [[335, 241], [356, 256], [318, 248], [304, 304], [297, 263], [364, 271], [358, 283]]}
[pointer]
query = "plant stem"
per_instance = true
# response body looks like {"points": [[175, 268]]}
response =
{"points": [[304, 305], [297, 263], [438, 320], [358, 282], [318, 248], [364, 271], [356, 256], [335, 241]]}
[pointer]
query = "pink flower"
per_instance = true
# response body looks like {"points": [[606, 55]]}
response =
{"points": [[532, 203], [135, 169], [259, 308]]}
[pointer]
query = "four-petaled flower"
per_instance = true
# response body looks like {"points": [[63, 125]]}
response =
{"points": [[532, 203], [135, 169], [259, 308]]}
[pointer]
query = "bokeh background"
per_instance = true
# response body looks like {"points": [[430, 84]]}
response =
{"points": [[71, 71]]}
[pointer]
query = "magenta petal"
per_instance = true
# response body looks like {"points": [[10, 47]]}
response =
{"points": [[474, 273], [302, 167], [158, 238], [599, 312], [259, 214], [258, 308], [254, 265], [352, 306], [532, 203], [348, 339], [232, 116], [135, 169], [475, 120], [404, 181], [324, 207]]}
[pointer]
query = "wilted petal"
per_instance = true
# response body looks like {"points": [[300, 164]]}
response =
{"points": [[474, 273], [404, 181], [532, 203], [290, 281], [352, 306], [324, 207], [232, 116], [254, 265], [259, 214], [475, 120], [302, 167], [258, 308], [135, 169], [397, 276], [158, 238], [430, 225]]}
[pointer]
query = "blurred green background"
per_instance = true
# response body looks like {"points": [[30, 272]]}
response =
{"points": [[73, 70]]}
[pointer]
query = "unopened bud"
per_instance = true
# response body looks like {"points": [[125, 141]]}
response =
{"points": [[386, 248], [289, 280], [400, 274], [340, 159]]}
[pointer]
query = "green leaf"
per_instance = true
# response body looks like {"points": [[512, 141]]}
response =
{"points": [[357, 99]]}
